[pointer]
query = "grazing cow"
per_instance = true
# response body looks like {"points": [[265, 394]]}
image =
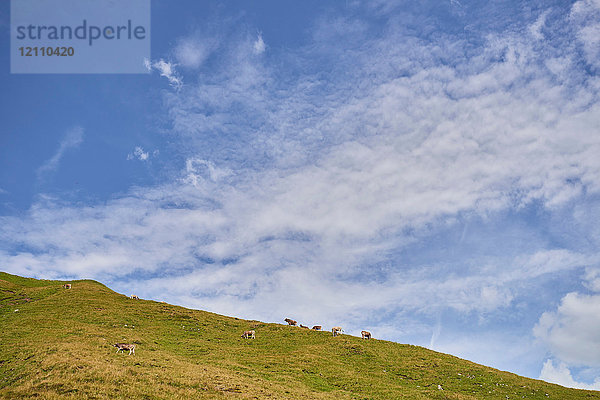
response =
{"points": [[291, 322], [248, 335], [317, 328], [366, 334], [67, 286], [304, 326], [125, 346], [336, 330], [134, 297]]}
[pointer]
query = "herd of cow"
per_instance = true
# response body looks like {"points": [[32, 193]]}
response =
{"points": [[336, 330]]}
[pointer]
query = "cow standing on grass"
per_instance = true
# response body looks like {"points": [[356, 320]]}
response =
{"points": [[291, 322], [336, 330], [125, 346], [248, 335], [67, 286], [317, 328], [134, 297], [366, 334]]}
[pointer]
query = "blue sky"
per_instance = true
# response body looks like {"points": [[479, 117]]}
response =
{"points": [[427, 171]]}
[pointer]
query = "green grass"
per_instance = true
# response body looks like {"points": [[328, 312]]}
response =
{"points": [[58, 345]]}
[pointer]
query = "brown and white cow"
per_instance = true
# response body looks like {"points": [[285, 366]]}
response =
{"points": [[134, 297], [67, 286], [291, 322], [317, 328], [366, 334], [125, 346], [248, 335], [336, 330]]}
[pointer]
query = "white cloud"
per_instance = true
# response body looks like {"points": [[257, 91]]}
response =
{"points": [[197, 170], [585, 10], [72, 139], [140, 154], [166, 69], [585, 15], [562, 375], [259, 45], [590, 38], [592, 278], [571, 332], [192, 51], [536, 28]]}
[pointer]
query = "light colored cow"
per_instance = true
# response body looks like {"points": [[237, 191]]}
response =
{"points": [[317, 328], [336, 330], [248, 335], [134, 297], [366, 334], [291, 322], [67, 286], [125, 346]]}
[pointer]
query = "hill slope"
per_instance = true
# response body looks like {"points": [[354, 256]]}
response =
{"points": [[58, 345]]}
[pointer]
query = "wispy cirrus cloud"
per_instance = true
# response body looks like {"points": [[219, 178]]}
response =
{"points": [[192, 51], [71, 140]]}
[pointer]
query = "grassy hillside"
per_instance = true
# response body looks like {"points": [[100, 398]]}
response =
{"points": [[56, 343]]}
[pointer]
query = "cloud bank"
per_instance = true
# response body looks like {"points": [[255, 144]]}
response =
{"points": [[562, 376]]}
